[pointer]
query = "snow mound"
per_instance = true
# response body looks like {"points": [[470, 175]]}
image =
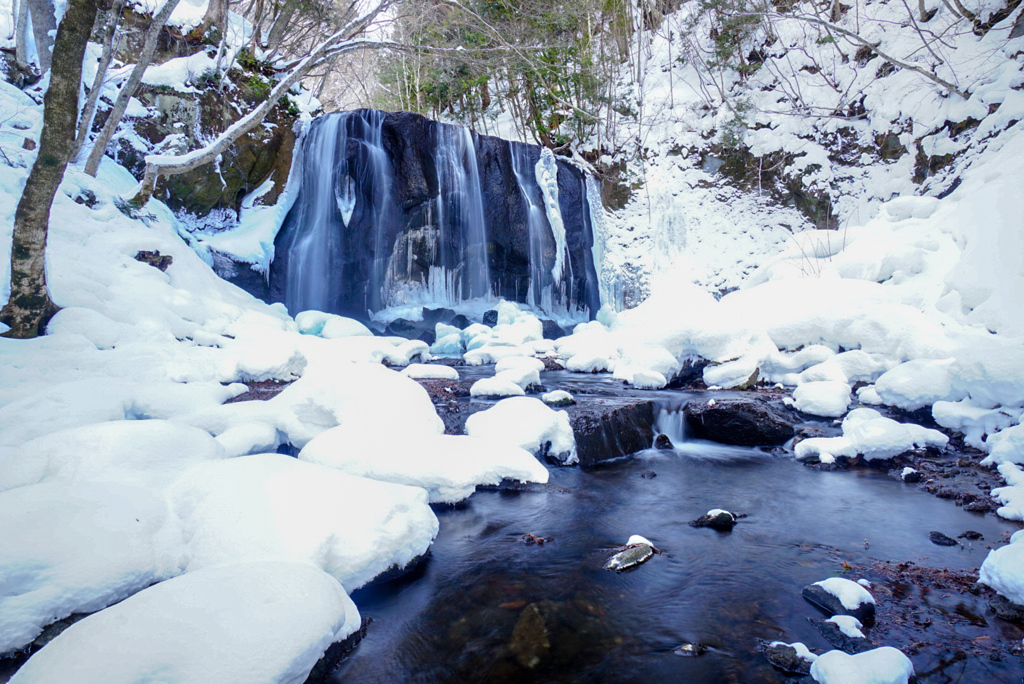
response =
{"points": [[147, 453], [848, 625], [884, 665], [498, 386], [214, 625], [822, 398], [1003, 569], [273, 507], [77, 548], [1011, 496], [526, 422], [430, 371], [867, 433], [330, 326], [448, 467]]}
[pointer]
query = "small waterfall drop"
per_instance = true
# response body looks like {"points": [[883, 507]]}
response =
{"points": [[314, 249], [539, 293], [460, 208]]}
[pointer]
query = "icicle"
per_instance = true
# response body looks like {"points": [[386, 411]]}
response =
{"points": [[547, 179]]}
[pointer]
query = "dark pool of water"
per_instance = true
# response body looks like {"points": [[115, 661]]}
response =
{"points": [[487, 607]]}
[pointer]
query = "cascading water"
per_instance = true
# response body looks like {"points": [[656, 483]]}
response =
{"points": [[460, 208], [314, 248], [394, 209]]}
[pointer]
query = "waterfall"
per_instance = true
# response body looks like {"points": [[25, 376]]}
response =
{"points": [[394, 209], [460, 207], [314, 248]]}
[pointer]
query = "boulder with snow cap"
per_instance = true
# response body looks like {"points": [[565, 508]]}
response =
{"points": [[884, 665], [793, 658], [839, 596], [744, 422], [717, 519], [528, 423], [844, 632], [637, 550]]}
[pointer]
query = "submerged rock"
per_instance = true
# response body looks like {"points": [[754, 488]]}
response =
{"points": [[636, 551], [1005, 609], [691, 650], [941, 539], [793, 658], [743, 422]]}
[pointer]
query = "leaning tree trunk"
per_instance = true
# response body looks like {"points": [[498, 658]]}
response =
{"points": [[30, 306], [99, 147], [43, 21]]}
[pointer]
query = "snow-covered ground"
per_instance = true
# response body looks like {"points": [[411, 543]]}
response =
{"points": [[116, 446]]}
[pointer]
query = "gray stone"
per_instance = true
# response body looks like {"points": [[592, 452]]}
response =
{"points": [[744, 422]]}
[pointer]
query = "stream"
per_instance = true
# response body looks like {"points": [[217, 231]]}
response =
{"points": [[489, 607]]}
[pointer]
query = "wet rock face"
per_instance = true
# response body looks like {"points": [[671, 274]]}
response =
{"points": [[743, 422], [609, 428]]}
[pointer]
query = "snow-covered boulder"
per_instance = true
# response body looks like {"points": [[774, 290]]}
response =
{"points": [[1003, 569], [449, 467], [148, 453], [885, 665], [76, 548], [498, 386], [430, 371], [330, 326], [528, 423], [822, 398], [273, 507], [839, 596], [867, 433], [214, 625]]}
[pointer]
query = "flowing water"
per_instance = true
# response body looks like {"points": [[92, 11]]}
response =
{"points": [[460, 208], [487, 607]]}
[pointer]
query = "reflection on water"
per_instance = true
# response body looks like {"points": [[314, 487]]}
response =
{"points": [[489, 608]]}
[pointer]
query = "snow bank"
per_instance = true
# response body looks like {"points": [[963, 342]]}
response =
{"points": [[147, 453], [329, 326], [76, 548], [214, 625], [273, 507], [448, 467], [1003, 569], [867, 433], [526, 422]]}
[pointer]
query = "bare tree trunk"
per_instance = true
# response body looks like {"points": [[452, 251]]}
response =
{"points": [[99, 147], [216, 15], [89, 111], [21, 34], [43, 21], [284, 17], [30, 306]]}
